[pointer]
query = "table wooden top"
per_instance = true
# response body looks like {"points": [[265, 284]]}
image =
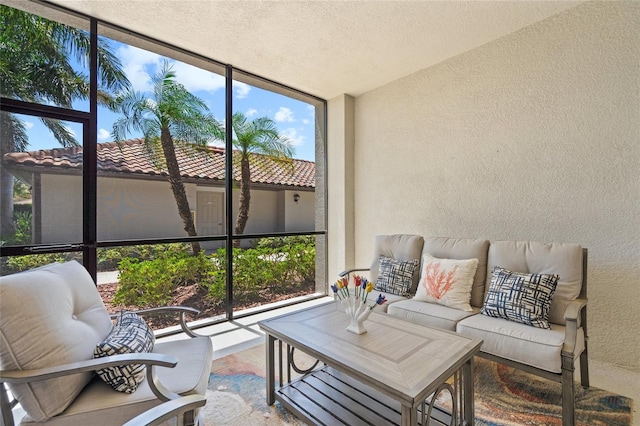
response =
{"points": [[404, 360]]}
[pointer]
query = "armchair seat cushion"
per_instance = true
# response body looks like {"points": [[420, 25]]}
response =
{"points": [[429, 314], [100, 405], [518, 342]]}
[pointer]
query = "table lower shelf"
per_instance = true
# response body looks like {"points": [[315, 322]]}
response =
{"points": [[329, 397]]}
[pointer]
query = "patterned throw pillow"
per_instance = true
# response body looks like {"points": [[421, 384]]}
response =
{"points": [[395, 276], [447, 281], [130, 334], [520, 297]]}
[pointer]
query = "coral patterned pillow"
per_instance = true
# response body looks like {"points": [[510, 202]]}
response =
{"points": [[446, 281]]}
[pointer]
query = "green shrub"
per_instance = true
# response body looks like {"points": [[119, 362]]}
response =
{"points": [[261, 272], [109, 257], [22, 263], [23, 227], [279, 242], [22, 223], [146, 283]]}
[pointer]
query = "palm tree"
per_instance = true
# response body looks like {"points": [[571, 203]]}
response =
{"points": [[36, 66], [172, 116], [258, 136]]}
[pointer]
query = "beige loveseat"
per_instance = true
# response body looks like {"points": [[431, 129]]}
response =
{"points": [[550, 353]]}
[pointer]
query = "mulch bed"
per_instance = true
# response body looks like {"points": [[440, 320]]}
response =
{"points": [[192, 296]]}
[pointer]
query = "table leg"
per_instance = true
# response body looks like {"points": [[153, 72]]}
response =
{"points": [[270, 356], [408, 416], [467, 383]]}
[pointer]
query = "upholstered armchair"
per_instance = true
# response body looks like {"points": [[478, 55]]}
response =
{"points": [[52, 321]]}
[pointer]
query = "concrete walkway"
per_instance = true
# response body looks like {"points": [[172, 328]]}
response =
{"points": [[107, 277]]}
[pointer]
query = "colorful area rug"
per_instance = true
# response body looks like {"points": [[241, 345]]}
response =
{"points": [[503, 397]]}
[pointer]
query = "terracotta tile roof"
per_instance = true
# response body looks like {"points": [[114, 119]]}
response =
{"points": [[131, 157]]}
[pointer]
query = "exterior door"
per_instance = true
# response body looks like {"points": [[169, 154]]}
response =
{"points": [[210, 216]]}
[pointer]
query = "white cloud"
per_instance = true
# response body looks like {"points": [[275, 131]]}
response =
{"points": [[251, 112], [284, 114], [195, 79], [242, 89], [293, 136], [306, 121], [103, 134], [27, 124], [136, 63], [140, 65]]}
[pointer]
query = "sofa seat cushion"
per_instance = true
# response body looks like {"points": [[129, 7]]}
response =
{"points": [[522, 343], [429, 314], [99, 404]]}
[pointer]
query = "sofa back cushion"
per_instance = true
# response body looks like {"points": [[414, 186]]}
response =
{"points": [[397, 246], [50, 316], [460, 249], [532, 257]]}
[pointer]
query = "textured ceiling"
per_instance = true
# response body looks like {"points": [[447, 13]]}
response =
{"points": [[325, 48]]}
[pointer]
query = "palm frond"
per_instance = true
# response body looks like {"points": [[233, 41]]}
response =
{"points": [[154, 150], [259, 138], [36, 63], [13, 134], [60, 132]]}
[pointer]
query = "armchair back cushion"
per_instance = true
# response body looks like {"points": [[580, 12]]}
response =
{"points": [[533, 257], [50, 315], [460, 249], [398, 246]]}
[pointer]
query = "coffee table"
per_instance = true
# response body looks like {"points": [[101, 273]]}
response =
{"points": [[383, 377]]}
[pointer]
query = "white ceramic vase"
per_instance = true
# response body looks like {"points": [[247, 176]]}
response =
{"points": [[357, 311]]}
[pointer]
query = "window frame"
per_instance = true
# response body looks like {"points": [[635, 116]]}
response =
{"points": [[90, 243]]}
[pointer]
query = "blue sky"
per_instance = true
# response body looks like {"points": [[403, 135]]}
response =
{"points": [[294, 119]]}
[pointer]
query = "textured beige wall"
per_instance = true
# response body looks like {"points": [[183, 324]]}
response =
{"points": [[533, 136], [61, 198], [136, 208], [340, 181], [296, 216]]}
